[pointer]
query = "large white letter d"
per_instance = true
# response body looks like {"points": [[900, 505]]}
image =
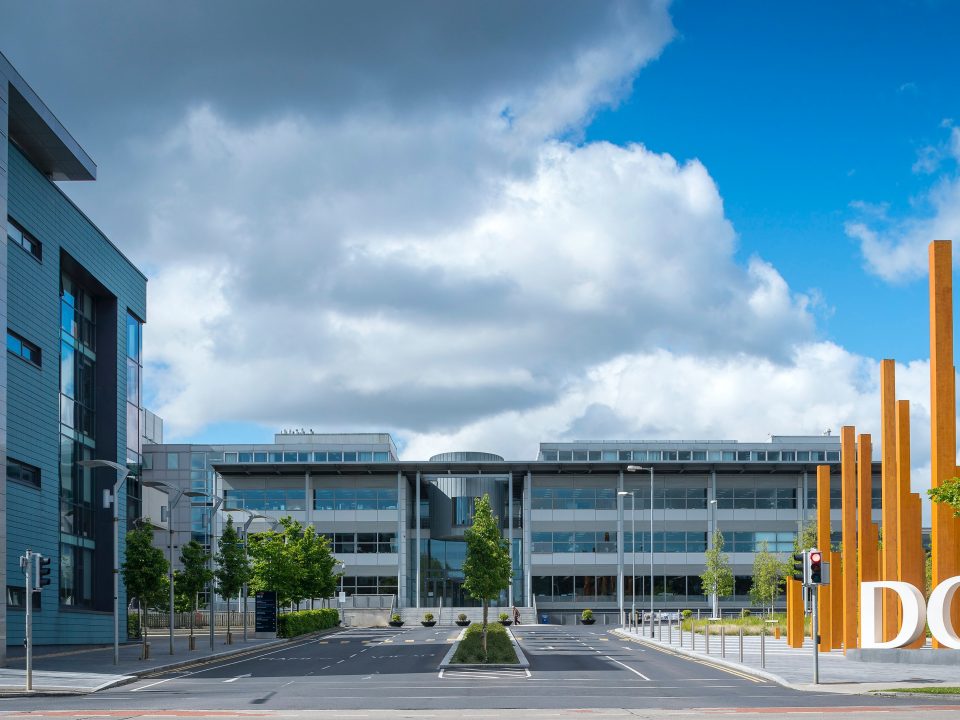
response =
{"points": [[871, 623]]}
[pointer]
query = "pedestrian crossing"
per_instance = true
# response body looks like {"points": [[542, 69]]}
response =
{"points": [[485, 674]]}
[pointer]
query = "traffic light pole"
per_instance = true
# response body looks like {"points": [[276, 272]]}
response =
{"points": [[27, 561], [815, 633]]}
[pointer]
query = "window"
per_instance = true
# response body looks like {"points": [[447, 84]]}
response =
{"points": [[173, 461], [23, 473], [23, 348], [16, 597], [19, 236]]}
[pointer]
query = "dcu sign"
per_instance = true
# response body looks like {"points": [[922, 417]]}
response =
{"points": [[915, 614]]}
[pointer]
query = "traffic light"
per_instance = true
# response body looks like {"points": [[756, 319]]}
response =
{"points": [[814, 565], [799, 565], [43, 572]]}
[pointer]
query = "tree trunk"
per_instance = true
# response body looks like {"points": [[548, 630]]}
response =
{"points": [[143, 627], [228, 617], [485, 606]]}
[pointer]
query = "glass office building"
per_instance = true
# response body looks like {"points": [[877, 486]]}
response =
{"points": [[577, 517]]}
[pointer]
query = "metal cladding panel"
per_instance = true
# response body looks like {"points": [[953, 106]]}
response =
{"points": [[4, 176]]}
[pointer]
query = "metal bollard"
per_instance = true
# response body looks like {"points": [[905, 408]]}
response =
{"points": [[741, 645], [763, 647], [670, 633], [723, 642], [706, 638]]}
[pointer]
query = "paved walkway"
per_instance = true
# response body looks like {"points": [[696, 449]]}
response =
{"points": [[85, 669], [793, 667]]}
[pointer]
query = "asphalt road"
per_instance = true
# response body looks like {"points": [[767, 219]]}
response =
{"points": [[571, 668]]}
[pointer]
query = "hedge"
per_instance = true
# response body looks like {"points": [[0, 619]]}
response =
{"points": [[302, 622], [499, 647]]}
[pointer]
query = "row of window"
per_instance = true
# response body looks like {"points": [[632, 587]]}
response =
{"points": [[17, 235], [363, 543], [690, 455], [355, 499], [21, 347], [368, 585], [22, 473], [605, 541], [305, 457], [836, 498], [603, 588], [587, 498], [757, 498], [17, 597]]}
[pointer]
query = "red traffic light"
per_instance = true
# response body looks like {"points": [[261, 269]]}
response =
{"points": [[815, 557]]}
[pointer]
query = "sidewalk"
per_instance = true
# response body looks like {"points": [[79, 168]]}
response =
{"points": [[81, 669], [794, 667]]}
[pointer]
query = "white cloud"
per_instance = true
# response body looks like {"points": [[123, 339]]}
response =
{"points": [[896, 250]]}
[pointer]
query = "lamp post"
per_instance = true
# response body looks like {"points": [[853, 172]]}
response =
{"points": [[715, 598], [637, 468], [173, 497], [216, 501], [123, 472], [633, 553], [246, 556]]}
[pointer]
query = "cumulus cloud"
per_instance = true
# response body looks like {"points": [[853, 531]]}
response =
{"points": [[896, 248]]}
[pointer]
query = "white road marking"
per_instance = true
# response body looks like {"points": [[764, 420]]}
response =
{"points": [[635, 672], [234, 679]]}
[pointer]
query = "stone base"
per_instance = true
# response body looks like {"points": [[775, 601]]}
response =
{"points": [[919, 656]]}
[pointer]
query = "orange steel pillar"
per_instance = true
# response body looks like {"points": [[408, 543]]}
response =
{"points": [[824, 607], [848, 525], [794, 613], [836, 598], [943, 431], [868, 569], [889, 495], [911, 567]]}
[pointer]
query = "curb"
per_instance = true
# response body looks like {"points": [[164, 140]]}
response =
{"points": [[446, 664], [719, 662], [159, 669]]}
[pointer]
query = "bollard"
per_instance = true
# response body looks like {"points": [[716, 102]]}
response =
{"points": [[660, 628], [706, 638], [776, 632], [192, 645], [741, 645], [670, 633], [763, 647], [723, 641]]}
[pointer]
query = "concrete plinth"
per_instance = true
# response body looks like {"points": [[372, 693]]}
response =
{"points": [[920, 656]]}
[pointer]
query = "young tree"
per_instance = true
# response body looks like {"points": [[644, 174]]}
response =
{"points": [[233, 569], [486, 570], [947, 493], [769, 576], [144, 571], [274, 566], [807, 538], [194, 577], [317, 564], [717, 577]]}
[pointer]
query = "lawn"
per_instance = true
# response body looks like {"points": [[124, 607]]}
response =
{"points": [[927, 690], [751, 624], [499, 647]]}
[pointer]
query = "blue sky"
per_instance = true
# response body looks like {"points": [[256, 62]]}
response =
{"points": [[798, 111], [481, 226]]}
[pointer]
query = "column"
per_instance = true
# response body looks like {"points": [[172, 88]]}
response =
{"points": [[418, 553], [910, 544], [889, 494], [848, 525], [402, 575], [943, 431], [824, 606], [527, 547], [868, 568], [510, 534]]}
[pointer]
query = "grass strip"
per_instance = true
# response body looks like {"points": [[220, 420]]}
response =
{"points": [[926, 690], [499, 648]]}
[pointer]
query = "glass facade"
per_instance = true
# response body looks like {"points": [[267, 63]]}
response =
{"points": [[77, 442]]}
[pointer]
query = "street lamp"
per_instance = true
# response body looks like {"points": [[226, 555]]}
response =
{"points": [[638, 468], [123, 472], [173, 497], [633, 553], [217, 502], [715, 599], [246, 557]]}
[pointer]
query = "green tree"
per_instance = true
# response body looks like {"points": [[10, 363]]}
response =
{"points": [[769, 577], [144, 571], [233, 568], [806, 538], [486, 570], [194, 577], [274, 564], [317, 565], [717, 577], [947, 493]]}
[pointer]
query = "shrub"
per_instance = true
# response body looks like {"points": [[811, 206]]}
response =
{"points": [[462, 617], [746, 613], [428, 617], [587, 614], [503, 617], [499, 647], [395, 617], [133, 625], [686, 614], [306, 621]]}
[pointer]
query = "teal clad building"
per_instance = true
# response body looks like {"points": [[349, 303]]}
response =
{"points": [[70, 381]]}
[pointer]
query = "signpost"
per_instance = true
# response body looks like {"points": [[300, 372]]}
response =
{"points": [[265, 606]]}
